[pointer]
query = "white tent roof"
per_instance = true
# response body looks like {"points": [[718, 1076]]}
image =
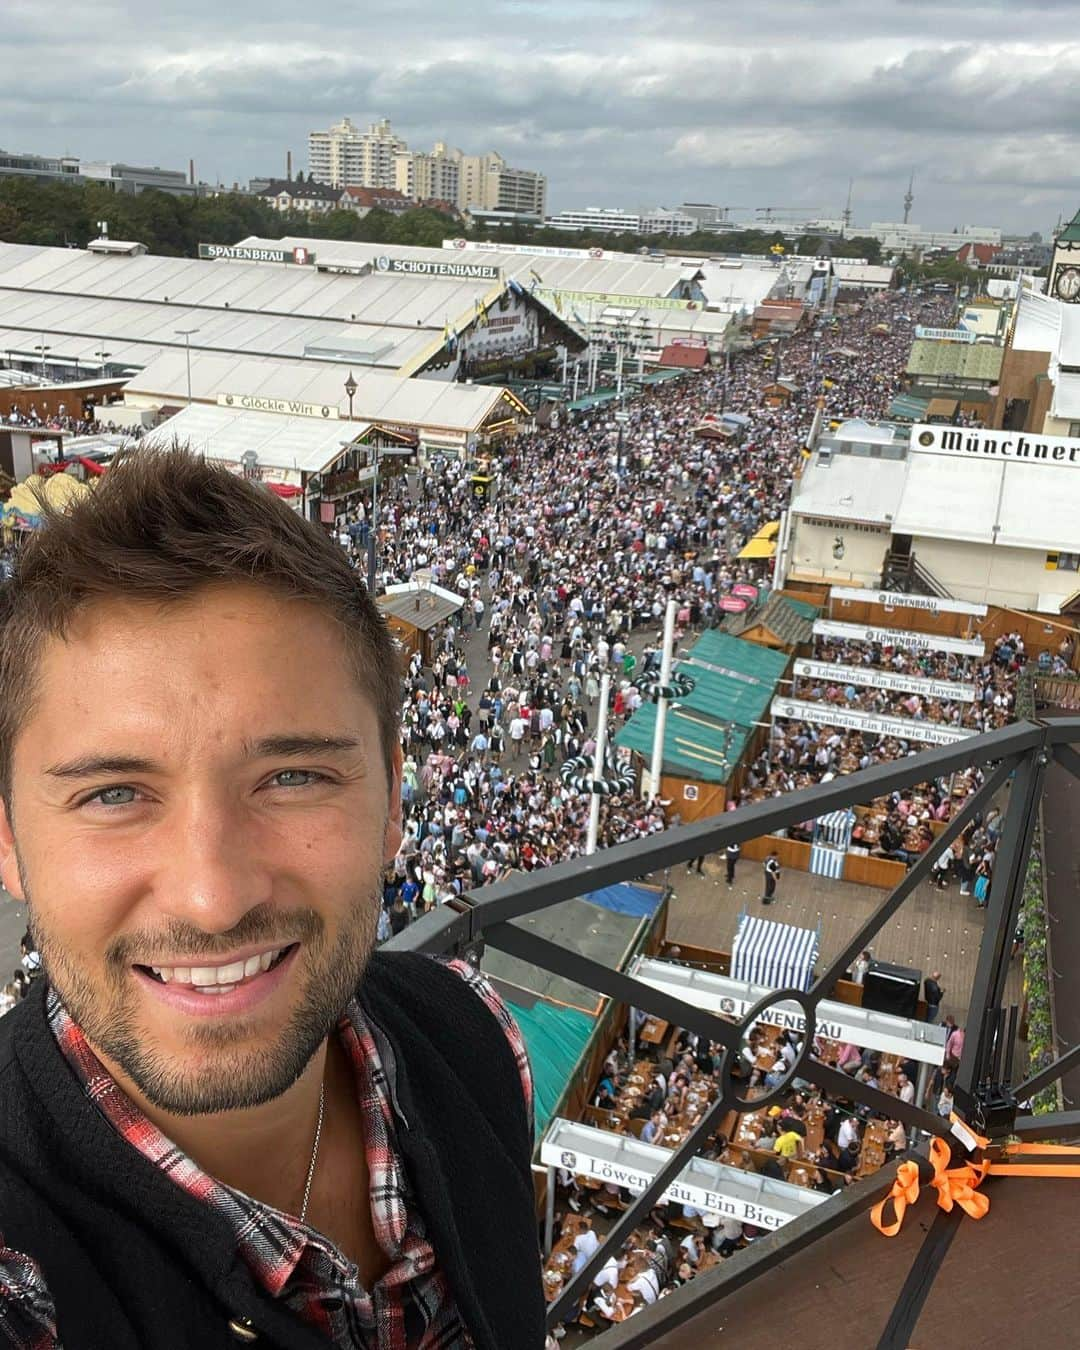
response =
{"points": [[431, 404], [1032, 505], [133, 307], [299, 444], [850, 487]]}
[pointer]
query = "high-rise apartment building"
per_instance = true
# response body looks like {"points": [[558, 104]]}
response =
{"points": [[429, 177], [489, 182], [345, 156]]}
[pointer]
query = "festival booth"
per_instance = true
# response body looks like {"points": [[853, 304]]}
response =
{"points": [[774, 620], [414, 611], [712, 729], [775, 955]]}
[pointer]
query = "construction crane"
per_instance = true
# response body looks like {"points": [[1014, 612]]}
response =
{"points": [[768, 214], [909, 197], [846, 216]]}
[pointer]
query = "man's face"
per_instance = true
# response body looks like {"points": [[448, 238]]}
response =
{"points": [[199, 795]]}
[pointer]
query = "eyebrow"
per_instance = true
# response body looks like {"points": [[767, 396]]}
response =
{"points": [[269, 747]]}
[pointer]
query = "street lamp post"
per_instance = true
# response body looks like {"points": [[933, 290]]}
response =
{"points": [[186, 334], [41, 348], [374, 522], [101, 355], [350, 390]]}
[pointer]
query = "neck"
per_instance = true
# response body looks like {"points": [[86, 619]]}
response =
{"points": [[264, 1151]]}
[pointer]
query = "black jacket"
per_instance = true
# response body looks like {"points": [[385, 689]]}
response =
{"points": [[133, 1262]]}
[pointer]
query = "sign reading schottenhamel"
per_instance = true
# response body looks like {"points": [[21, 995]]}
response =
{"points": [[419, 267], [1003, 446]]}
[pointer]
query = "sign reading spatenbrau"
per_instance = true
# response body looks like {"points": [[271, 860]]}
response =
{"points": [[299, 256], [1003, 446]]}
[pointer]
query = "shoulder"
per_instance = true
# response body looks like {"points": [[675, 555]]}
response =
{"points": [[455, 1006], [27, 1313]]}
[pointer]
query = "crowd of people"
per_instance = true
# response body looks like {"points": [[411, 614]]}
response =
{"points": [[566, 574]]}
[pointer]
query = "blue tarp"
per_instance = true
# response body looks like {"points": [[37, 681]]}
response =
{"points": [[625, 898]]}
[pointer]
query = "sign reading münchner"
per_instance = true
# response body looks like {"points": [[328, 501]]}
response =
{"points": [[420, 267], [287, 407], [245, 253], [1002, 447]]}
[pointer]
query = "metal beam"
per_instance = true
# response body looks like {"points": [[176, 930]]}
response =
{"points": [[642, 1205], [646, 1326], [1067, 757], [1053, 1125], [622, 988], [909, 1304], [995, 948], [1049, 1075], [441, 931], [892, 1108], [525, 892], [918, 873]]}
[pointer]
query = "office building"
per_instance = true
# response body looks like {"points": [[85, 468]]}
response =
{"points": [[606, 219], [662, 221]]}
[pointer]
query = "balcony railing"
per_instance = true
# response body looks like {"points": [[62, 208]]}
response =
{"points": [[1013, 761]]}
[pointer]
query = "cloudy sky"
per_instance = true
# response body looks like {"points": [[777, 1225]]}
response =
{"points": [[621, 102]]}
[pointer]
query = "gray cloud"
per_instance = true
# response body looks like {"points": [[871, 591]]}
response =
{"points": [[621, 103]]}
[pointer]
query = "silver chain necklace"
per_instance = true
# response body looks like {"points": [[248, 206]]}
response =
{"points": [[314, 1153]]}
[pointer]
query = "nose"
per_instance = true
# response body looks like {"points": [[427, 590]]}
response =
{"points": [[215, 871]]}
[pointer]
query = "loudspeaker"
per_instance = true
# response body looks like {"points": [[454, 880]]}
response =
{"points": [[891, 989]]}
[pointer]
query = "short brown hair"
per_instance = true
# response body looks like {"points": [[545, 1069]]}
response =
{"points": [[161, 525]]}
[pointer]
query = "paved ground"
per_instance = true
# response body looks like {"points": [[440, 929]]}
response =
{"points": [[932, 930], [1061, 803]]}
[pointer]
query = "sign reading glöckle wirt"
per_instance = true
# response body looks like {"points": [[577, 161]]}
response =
{"points": [[1002, 447], [287, 407]]}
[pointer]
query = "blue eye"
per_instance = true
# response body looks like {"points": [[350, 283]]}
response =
{"points": [[115, 796], [295, 778]]}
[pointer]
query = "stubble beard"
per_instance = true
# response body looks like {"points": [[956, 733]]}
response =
{"points": [[230, 1074]]}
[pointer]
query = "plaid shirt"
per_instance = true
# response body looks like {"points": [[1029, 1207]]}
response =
{"points": [[411, 1307]]}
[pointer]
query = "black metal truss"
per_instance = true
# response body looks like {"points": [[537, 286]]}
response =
{"points": [[1020, 753]]}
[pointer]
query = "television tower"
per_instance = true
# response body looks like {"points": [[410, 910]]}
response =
{"points": [[846, 215], [909, 197]]}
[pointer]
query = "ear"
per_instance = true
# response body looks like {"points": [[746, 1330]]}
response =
{"points": [[9, 862], [392, 834]]}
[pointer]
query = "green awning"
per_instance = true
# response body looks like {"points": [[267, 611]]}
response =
{"points": [[908, 408], [555, 1038], [707, 731]]}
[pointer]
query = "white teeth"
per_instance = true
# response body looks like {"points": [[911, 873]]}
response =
{"points": [[215, 988], [218, 978]]}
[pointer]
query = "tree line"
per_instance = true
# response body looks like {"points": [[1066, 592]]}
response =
{"points": [[33, 211]]}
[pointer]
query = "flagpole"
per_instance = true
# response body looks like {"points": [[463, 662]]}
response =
{"points": [[598, 764], [656, 765]]}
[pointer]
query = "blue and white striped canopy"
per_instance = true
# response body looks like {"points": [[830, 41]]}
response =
{"points": [[777, 955]]}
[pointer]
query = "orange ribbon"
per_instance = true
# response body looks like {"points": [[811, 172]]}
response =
{"points": [[960, 1185]]}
